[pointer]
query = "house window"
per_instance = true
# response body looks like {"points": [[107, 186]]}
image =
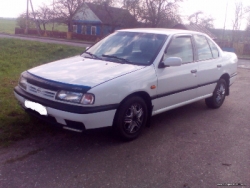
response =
{"points": [[93, 30], [74, 28], [84, 29]]}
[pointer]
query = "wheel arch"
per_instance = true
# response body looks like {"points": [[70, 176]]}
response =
{"points": [[146, 97], [226, 77]]}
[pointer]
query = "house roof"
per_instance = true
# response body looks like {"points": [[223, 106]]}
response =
{"points": [[112, 15], [194, 27]]}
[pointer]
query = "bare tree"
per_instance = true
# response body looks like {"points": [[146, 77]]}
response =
{"points": [[207, 22], [199, 18], [238, 15], [155, 13], [248, 19], [195, 18], [158, 13], [44, 15], [133, 6], [248, 24], [247, 30], [114, 12], [66, 11]]}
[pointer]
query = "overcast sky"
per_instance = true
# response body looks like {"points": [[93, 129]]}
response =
{"points": [[215, 8]]}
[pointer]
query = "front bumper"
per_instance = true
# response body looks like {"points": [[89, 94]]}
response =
{"points": [[69, 116]]}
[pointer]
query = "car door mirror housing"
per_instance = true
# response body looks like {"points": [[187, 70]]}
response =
{"points": [[172, 62]]}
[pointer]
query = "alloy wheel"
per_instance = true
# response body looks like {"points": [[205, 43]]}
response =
{"points": [[133, 119], [220, 93]]}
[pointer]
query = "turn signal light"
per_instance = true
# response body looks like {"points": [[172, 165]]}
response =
{"points": [[153, 87]]}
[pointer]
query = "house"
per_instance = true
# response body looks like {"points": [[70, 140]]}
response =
{"points": [[194, 27], [101, 20]]}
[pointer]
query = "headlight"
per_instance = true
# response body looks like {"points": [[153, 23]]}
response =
{"points": [[75, 97], [23, 82]]}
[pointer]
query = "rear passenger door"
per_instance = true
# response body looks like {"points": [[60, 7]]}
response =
{"points": [[209, 64]]}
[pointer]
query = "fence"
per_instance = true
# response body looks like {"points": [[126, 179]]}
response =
{"points": [[58, 34], [240, 48]]}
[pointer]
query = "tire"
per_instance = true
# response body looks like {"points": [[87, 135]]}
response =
{"points": [[219, 95], [131, 118]]}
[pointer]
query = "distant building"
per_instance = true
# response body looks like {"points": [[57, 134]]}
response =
{"points": [[194, 27], [93, 19]]}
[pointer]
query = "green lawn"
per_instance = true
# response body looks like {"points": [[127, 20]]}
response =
{"points": [[17, 56], [57, 27], [8, 26]]}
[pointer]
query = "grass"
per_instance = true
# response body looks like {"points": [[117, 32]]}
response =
{"points": [[17, 56], [57, 27], [8, 26]]}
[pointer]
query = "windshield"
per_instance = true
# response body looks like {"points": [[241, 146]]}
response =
{"points": [[128, 47]]}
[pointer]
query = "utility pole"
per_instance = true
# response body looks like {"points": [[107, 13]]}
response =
{"points": [[37, 25], [225, 22], [27, 19], [53, 15]]}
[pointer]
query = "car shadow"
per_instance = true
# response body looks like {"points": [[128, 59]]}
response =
{"points": [[161, 125]]}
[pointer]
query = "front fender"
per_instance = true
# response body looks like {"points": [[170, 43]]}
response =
{"points": [[114, 91]]}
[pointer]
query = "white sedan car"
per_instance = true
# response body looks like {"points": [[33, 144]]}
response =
{"points": [[126, 78]]}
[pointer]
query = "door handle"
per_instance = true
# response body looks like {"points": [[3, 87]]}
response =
{"points": [[194, 71], [219, 66]]}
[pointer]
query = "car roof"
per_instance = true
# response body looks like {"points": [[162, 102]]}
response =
{"points": [[161, 31]]}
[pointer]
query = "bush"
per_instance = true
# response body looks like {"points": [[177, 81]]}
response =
{"points": [[21, 22]]}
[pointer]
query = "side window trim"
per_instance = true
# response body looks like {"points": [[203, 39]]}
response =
{"points": [[178, 36], [196, 50], [210, 41], [210, 48]]}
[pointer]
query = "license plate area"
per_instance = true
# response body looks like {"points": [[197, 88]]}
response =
{"points": [[36, 107]]}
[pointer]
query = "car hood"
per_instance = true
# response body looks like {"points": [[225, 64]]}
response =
{"points": [[82, 71]]}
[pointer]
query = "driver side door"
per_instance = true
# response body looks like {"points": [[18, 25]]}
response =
{"points": [[177, 84]]}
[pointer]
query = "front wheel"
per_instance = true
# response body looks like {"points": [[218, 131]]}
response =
{"points": [[131, 118], [219, 95]]}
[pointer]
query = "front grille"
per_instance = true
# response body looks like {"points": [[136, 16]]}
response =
{"points": [[41, 92]]}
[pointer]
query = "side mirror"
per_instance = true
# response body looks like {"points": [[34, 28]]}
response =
{"points": [[172, 61], [86, 48]]}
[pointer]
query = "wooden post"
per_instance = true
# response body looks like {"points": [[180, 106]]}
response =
{"points": [[27, 19], [37, 25]]}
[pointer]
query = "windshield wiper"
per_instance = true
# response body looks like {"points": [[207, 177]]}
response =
{"points": [[113, 56], [95, 56]]}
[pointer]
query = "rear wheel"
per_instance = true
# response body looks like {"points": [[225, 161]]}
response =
{"points": [[219, 95], [131, 118]]}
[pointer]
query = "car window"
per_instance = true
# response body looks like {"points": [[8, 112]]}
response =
{"points": [[180, 47], [214, 49], [130, 47], [203, 49]]}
